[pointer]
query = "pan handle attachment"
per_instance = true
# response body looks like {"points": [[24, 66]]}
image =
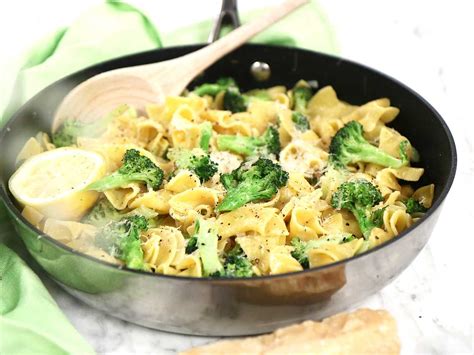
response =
{"points": [[229, 15]]}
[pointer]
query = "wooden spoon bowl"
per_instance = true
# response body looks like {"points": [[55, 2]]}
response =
{"points": [[143, 84]]}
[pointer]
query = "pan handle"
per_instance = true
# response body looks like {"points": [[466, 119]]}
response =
{"points": [[229, 15]]}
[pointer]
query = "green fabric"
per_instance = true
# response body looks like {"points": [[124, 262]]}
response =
{"points": [[104, 32], [307, 27], [30, 320]]}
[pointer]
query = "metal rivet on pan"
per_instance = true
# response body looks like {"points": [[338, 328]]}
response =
{"points": [[260, 71]]}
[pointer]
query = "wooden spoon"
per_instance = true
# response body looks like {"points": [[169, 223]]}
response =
{"points": [[151, 83]]}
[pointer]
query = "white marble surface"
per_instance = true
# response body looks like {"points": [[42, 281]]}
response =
{"points": [[427, 45]]}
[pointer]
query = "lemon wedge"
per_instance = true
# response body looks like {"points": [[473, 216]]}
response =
{"points": [[54, 182]]}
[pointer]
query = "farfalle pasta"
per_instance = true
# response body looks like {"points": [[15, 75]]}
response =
{"points": [[220, 183]]}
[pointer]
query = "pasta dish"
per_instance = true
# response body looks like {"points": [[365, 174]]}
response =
{"points": [[221, 183]]}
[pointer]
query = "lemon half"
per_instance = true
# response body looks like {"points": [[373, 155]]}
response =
{"points": [[54, 182]]}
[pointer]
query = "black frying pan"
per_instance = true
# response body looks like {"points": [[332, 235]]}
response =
{"points": [[241, 306]]}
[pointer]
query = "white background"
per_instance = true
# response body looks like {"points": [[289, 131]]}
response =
{"points": [[428, 45]]}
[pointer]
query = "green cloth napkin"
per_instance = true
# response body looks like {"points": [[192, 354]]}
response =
{"points": [[30, 320]]}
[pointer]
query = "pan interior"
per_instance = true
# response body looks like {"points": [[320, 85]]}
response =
{"points": [[354, 83]]}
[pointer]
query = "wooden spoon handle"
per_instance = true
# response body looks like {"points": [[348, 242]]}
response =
{"points": [[194, 63], [239, 36]]}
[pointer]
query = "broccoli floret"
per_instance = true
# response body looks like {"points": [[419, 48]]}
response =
{"points": [[301, 96], [121, 239], [102, 213], [206, 135], [301, 247], [267, 143], [300, 253], [377, 217], [413, 206], [234, 101], [359, 196], [135, 168], [200, 164], [300, 121], [206, 241], [70, 130], [213, 89], [67, 134], [349, 146], [237, 264], [260, 181], [191, 245]]}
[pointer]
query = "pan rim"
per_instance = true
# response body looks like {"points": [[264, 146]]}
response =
{"points": [[12, 208]]}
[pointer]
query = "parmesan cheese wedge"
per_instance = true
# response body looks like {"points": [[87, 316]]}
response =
{"points": [[364, 331]]}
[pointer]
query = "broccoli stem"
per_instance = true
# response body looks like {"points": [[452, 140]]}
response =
{"points": [[267, 143], [213, 89], [206, 235], [301, 94], [364, 222], [208, 89], [239, 144], [132, 254], [260, 94], [116, 180], [206, 135], [371, 154]]}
